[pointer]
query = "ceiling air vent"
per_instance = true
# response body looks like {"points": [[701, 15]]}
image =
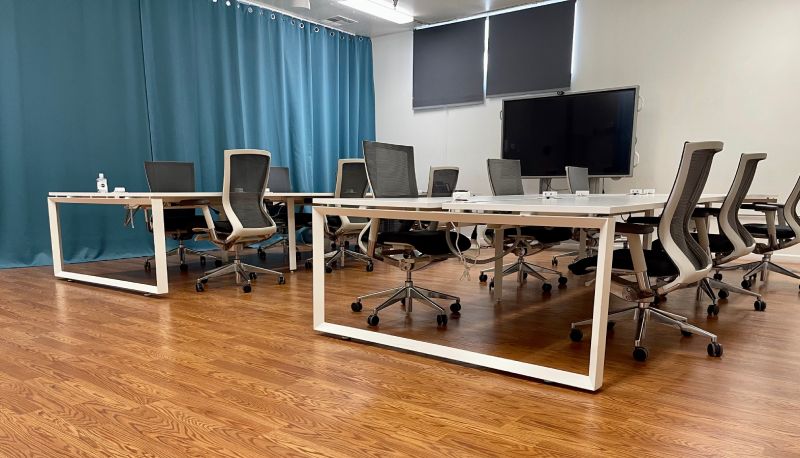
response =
{"points": [[340, 20]]}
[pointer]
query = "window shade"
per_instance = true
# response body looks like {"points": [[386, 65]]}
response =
{"points": [[448, 64], [531, 50]]}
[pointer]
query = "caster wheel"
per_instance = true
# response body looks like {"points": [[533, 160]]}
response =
{"points": [[202, 260], [247, 288], [714, 349], [204, 281], [198, 287], [455, 307], [309, 264], [373, 320], [759, 305], [441, 320], [370, 267], [328, 269], [491, 285], [610, 326], [524, 275], [403, 302], [640, 354], [547, 287], [555, 262], [746, 284], [686, 333], [281, 280], [723, 294], [482, 278], [356, 306], [262, 254], [252, 275], [347, 244], [218, 263], [562, 281], [298, 256], [147, 266], [713, 310], [184, 267], [718, 276], [575, 335], [334, 247]]}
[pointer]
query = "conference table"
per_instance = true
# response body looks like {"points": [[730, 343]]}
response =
{"points": [[596, 211], [156, 202]]}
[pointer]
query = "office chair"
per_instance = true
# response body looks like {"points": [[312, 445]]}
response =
{"points": [[733, 241], [391, 173], [351, 182], [244, 180], [164, 176], [279, 182], [505, 178], [680, 264], [778, 236], [578, 180], [441, 183]]}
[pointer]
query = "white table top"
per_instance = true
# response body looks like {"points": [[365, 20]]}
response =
{"points": [[566, 204], [178, 195]]}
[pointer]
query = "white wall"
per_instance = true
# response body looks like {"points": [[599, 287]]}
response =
{"points": [[708, 69]]}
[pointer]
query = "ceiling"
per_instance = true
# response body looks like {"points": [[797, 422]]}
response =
{"points": [[424, 11]]}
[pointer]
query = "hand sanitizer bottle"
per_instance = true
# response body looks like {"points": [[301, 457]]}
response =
{"points": [[102, 183]]}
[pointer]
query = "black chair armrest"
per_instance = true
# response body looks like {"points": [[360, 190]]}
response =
{"points": [[762, 207], [648, 220], [702, 212], [628, 228], [191, 202]]}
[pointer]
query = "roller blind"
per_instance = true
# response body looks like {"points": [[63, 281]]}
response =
{"points": [[448, 64], [531, 50]]}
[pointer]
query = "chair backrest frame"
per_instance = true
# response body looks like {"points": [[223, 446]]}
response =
{"points": [[790, 215], [729, 223], [577, 179], [505, 177], [403, 183], [239, 230], [432, 180], [341, 181]]}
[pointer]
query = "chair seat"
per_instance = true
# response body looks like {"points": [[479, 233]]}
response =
{"points": [[659, 263], [544, 235], [431, 243], [183, 225], [717, 243], [761, 230]]}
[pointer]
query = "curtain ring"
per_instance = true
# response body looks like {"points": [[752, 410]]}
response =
{"points": [[291, 22], [332, 34], [302, 26], [272, 16], [227, 2], [249, 9], [316, 29]]}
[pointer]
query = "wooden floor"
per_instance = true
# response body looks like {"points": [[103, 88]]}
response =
{"points": [[88, 371]]}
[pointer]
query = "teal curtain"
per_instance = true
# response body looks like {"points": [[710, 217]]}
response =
{"points": [[90, 86], [222, 77]]}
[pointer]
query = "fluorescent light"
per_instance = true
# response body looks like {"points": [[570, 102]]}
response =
{"points": [[380, 10]]}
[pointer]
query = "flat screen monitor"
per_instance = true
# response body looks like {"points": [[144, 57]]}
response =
{"points": [[594, 129]]}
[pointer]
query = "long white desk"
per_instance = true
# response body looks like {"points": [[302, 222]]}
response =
{"points": [[592, 212], [156, 202]]}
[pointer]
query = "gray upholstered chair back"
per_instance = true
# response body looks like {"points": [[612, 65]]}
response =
{"points": [[692, 260], [246, 175], [351, 179], [390, 169], [505, 177], [279, 180], [442, 181], [577, 179], [729, 213], [790, 211], [166, 176]]}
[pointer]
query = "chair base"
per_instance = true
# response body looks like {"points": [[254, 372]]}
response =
{"points": [[406, 294], [245, 273], [181, 250], [523, 268], [342, 252], [761, 269], [642, 313]]}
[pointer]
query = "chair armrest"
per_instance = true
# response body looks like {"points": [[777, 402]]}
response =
{"points": [[702, 212], [648, 220], [628, 228], [191, 202], [762, 207]]}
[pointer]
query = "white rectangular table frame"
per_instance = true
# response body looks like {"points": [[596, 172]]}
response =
{"points": [[593, 381]]}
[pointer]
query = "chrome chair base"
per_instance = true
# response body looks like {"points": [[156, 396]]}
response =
{"points": [[181, 250], [406, 294], [245, 273], [338, 257], [523, 268]]}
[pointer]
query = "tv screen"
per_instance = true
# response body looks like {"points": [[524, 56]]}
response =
{"points": [[590, 129]]}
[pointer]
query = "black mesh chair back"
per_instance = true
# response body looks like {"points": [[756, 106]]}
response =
{"points": [[168, 176], [577, 179], [505, 177], [390, 169], [673, 230], [279, 180], [352, 182], [246, 174], [790, 209], [729, 212], [442, 181]]}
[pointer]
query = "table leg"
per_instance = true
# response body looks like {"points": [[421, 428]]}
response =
{"points": [[602, 291], [498, 264], [159, 246], [55, 237], [318, 263], [290, 227]]}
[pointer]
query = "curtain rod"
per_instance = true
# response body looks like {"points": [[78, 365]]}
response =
{"points": [[287, 13]]}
